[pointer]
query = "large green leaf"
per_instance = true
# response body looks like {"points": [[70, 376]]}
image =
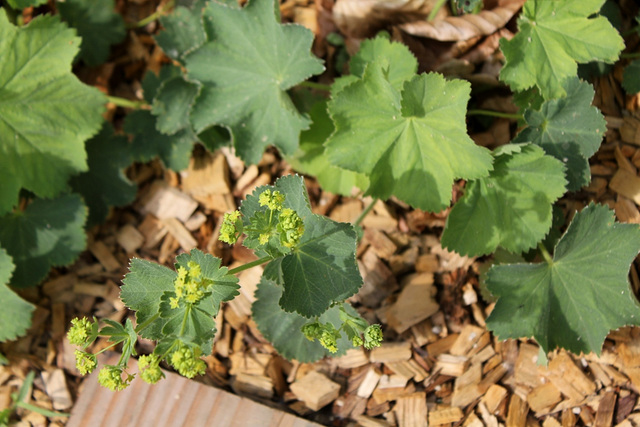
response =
{"points": [[553, 36], [631, 77], [311, 159], [575, 299], [511, 208], [183, 30], [322, 268], [411, 144], [246, 65], [47, 233], [282, 329], [105, 184], [97, 23], [46, 114], [570, 129], [15, 317]]}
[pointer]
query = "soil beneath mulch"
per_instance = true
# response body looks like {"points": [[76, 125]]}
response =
{"points": [[438, 362]]}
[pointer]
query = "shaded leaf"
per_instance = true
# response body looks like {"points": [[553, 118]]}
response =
{"points": [[631, 77], [575, 299], [48, 233], [15, 317]]}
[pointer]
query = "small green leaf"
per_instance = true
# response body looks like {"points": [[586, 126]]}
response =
{"points": [[97, 23], [172, 104], [15, 317], [553, 36], [46, 114], [183, 31], [143, 288], [411, 144], [105, 184], [573, 301], [511, 208], [48, 233], [246, 66], [282, 329], [22, 4], [569, 129], [631, 77], [311, 159]]}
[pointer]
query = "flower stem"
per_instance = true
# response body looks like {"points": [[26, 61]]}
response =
{"points": [[314, 85], [146, 323], [365, 212], [250, 265], [545, 253], [494, 114], [155, 15], [127, 103]]}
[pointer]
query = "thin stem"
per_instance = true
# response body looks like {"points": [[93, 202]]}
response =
{"points": [[435, 10], [630, 55], [146, 323], [494, 114], [155, 15], [127, 103], [42, 411], [314, 85], [545, 253], [365, 212], [250, 265], [184, 319]]}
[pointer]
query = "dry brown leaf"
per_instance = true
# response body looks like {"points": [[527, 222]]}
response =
{"points": [[465, 27], [363, 18]]}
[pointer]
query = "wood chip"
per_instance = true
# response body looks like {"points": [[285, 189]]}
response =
{"points": [[543, 397], [411, 410], [467, 339], [253, 385], [315, 390], [104, 256], [57, 390], [414, 304], [494, 397], [369, 383], [353, 358], [164, 201], [445, 416], [626, 184], [606, 407], [408, 369], [568, 378], [180, 233], [391, 352], [451, 365], [152, 230], [517, 412], [130, 238]]}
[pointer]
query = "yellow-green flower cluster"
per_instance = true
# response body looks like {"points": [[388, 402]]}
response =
{"points": [[189, 285], [149, 366], [80, 331], [372, 337], [312, 331], [111, 378], [187, 361], [271, 199], [329, 338], [231, 228], [291, 227], [85, 362]]}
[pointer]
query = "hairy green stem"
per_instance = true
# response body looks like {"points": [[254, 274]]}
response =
{"points": [[162, 10], [187, 311], [41, 411], [314, 85], [250, 265], [545, 253], [127, 103], [630, 55], [436, 8], [365, 212], [146, 323], [494, 114]]}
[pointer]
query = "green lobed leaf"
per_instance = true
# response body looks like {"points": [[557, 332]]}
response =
{"points": [[411, 144], [105, 184], [15, 317], [282, 329], [246, 66], [322, 268], [631, 77], [97, 23], [47, 233], [143, 288], [46, 114], [511, 208], [311, 159], [553, 36], [573, 301], [569, 129]]}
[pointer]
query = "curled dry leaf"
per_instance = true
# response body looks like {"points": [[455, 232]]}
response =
{"points": [[465, 27], [363, 18]]}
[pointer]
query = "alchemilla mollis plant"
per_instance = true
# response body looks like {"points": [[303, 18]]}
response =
{"points": [[384, 128]]}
